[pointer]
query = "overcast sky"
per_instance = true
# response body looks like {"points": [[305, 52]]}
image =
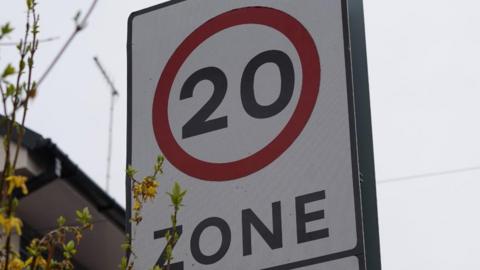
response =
{"points": [[425, 89]]}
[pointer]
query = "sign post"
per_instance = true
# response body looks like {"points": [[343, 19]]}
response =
{"points": [[252, 105]]}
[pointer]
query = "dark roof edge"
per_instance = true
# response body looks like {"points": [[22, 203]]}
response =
{"points": [[46, 151]]}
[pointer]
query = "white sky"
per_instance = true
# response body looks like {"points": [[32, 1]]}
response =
{"points": [[425, 87]]}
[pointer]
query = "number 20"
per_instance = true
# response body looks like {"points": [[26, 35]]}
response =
{"points": [[199, 123]]}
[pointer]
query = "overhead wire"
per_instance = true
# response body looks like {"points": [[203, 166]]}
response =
{"points": [[427, 175]]}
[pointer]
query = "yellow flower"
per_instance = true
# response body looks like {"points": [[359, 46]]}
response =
{"points": [[11, 223], [136, 205], [41, 262], [151, 192], [17, 181], [137, 188], [149, 188], [16, 264]]}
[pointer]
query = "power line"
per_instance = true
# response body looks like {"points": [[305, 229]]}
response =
{"points": [[40, 41], [426, 175]]}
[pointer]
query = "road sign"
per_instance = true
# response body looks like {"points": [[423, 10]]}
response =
{"points": [[251, 103]]}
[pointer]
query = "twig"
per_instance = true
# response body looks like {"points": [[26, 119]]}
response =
{"points": [[78, 27], [11, 122], [4, 99], [31, 87], [24, 48]]}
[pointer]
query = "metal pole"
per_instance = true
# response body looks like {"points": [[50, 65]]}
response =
{"points": [[113, 95], [364, 134]]}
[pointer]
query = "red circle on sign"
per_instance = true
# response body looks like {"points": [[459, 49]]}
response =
{"points": [[306, 49]]}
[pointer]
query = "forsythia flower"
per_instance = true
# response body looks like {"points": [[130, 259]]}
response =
{"points": [[41, 262], [137, 189], [11, 223], [17, 181], [149, 188], [16, 264], [137, 205]]}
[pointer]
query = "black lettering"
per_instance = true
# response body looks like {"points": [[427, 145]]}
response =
{"points": [[199, 124], [273, 239], [161, 260], [195, 240], [287, 76], [303, 218]]}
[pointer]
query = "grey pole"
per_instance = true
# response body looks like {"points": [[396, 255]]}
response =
{"points": [[364, 134], [113, 94]]}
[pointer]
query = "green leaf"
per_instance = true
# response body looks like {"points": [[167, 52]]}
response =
{"points": [[69, 249], [84, 216], [10, 90], [168, 253], [61, 221], [36, 30], [22, 65], [67, 255], [15, 203], [123, 263], [131, 171], [125, 246], [159, 164], [70, 245], [9, 70], [6, 29], [176, 237], [176, 195], [30, 4]]}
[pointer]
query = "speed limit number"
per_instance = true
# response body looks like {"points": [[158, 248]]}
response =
{"points": [[250, 103]]}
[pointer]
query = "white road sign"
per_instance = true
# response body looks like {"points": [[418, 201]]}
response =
{"points": [[250, 102]]}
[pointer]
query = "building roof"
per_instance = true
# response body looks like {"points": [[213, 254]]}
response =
{"points": [[58, 187], [59, 166]]}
